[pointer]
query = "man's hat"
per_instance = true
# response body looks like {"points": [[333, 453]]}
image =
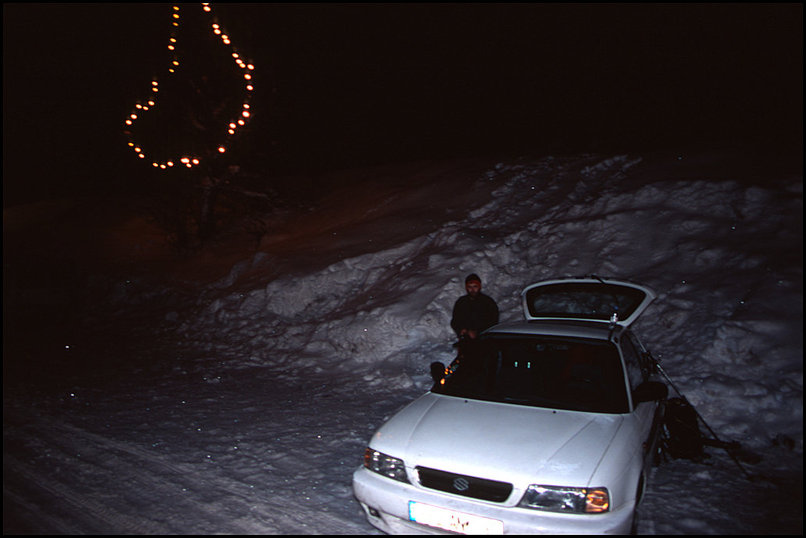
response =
{"points": [[472, 277]]}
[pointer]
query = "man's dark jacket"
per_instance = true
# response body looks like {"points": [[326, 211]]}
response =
{"points": [[474, 313]]}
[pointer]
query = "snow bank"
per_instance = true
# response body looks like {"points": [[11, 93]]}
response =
{"points": [[722, 255]]}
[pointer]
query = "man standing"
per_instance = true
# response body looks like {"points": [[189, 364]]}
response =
{"points": [[474, 312]]}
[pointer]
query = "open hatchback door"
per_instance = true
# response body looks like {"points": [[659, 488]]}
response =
{"points": [[586, 299]]}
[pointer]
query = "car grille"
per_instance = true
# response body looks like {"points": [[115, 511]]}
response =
{"points": [[468, 486]]}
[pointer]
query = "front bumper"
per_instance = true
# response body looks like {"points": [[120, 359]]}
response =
{"points": [[386, 503]]}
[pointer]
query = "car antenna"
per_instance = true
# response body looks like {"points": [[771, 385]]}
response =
{"points": [[596, 277]]}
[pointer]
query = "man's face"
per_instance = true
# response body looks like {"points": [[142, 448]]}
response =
{"points": [[473, 287]]}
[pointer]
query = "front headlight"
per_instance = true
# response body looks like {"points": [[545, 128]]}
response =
{"points": [[388, 466], [567, 500]]}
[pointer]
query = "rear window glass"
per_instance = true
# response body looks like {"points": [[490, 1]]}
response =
{"points": [[583, 301]]}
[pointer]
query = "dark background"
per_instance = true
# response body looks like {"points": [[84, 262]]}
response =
{"points": [[339, 86]]}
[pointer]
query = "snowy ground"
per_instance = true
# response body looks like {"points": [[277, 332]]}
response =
{"points": [[235, 392]]}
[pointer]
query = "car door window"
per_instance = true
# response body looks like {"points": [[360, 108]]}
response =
{"points": [[644, 359], [632, 361]]}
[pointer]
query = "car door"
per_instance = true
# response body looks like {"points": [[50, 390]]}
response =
{"points": [[647, 415]]}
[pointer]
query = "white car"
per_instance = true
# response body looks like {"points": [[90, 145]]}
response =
{"points": [[547, 425]]}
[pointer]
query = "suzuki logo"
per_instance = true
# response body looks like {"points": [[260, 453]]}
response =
{"points": [[461, 484]]}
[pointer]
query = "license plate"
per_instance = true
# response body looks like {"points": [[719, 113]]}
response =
{"points": [[451, 520]]}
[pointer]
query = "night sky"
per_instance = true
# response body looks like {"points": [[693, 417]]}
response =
{"points": [[350, 85]]}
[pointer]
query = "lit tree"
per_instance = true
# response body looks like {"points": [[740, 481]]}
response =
{"points": [[195, 111]]}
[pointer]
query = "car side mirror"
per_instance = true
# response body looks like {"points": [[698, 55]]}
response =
{"points": [[437, 372], [649, 391]]}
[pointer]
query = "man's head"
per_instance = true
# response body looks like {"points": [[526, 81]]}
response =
{"points": [[473, 284]]}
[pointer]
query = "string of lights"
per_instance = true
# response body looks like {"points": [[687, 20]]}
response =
{"points": [[245, 70]]}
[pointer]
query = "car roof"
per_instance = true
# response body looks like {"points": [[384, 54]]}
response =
{"points": [[561, 328]]}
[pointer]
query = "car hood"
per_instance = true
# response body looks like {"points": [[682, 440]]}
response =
{"points": [[499, 441]]}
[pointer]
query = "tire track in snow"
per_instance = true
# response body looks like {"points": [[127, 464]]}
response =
{"points": [[60, 508], [70, 480]]}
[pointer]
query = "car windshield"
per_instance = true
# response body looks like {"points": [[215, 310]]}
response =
{"points": [[578, 375]]}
